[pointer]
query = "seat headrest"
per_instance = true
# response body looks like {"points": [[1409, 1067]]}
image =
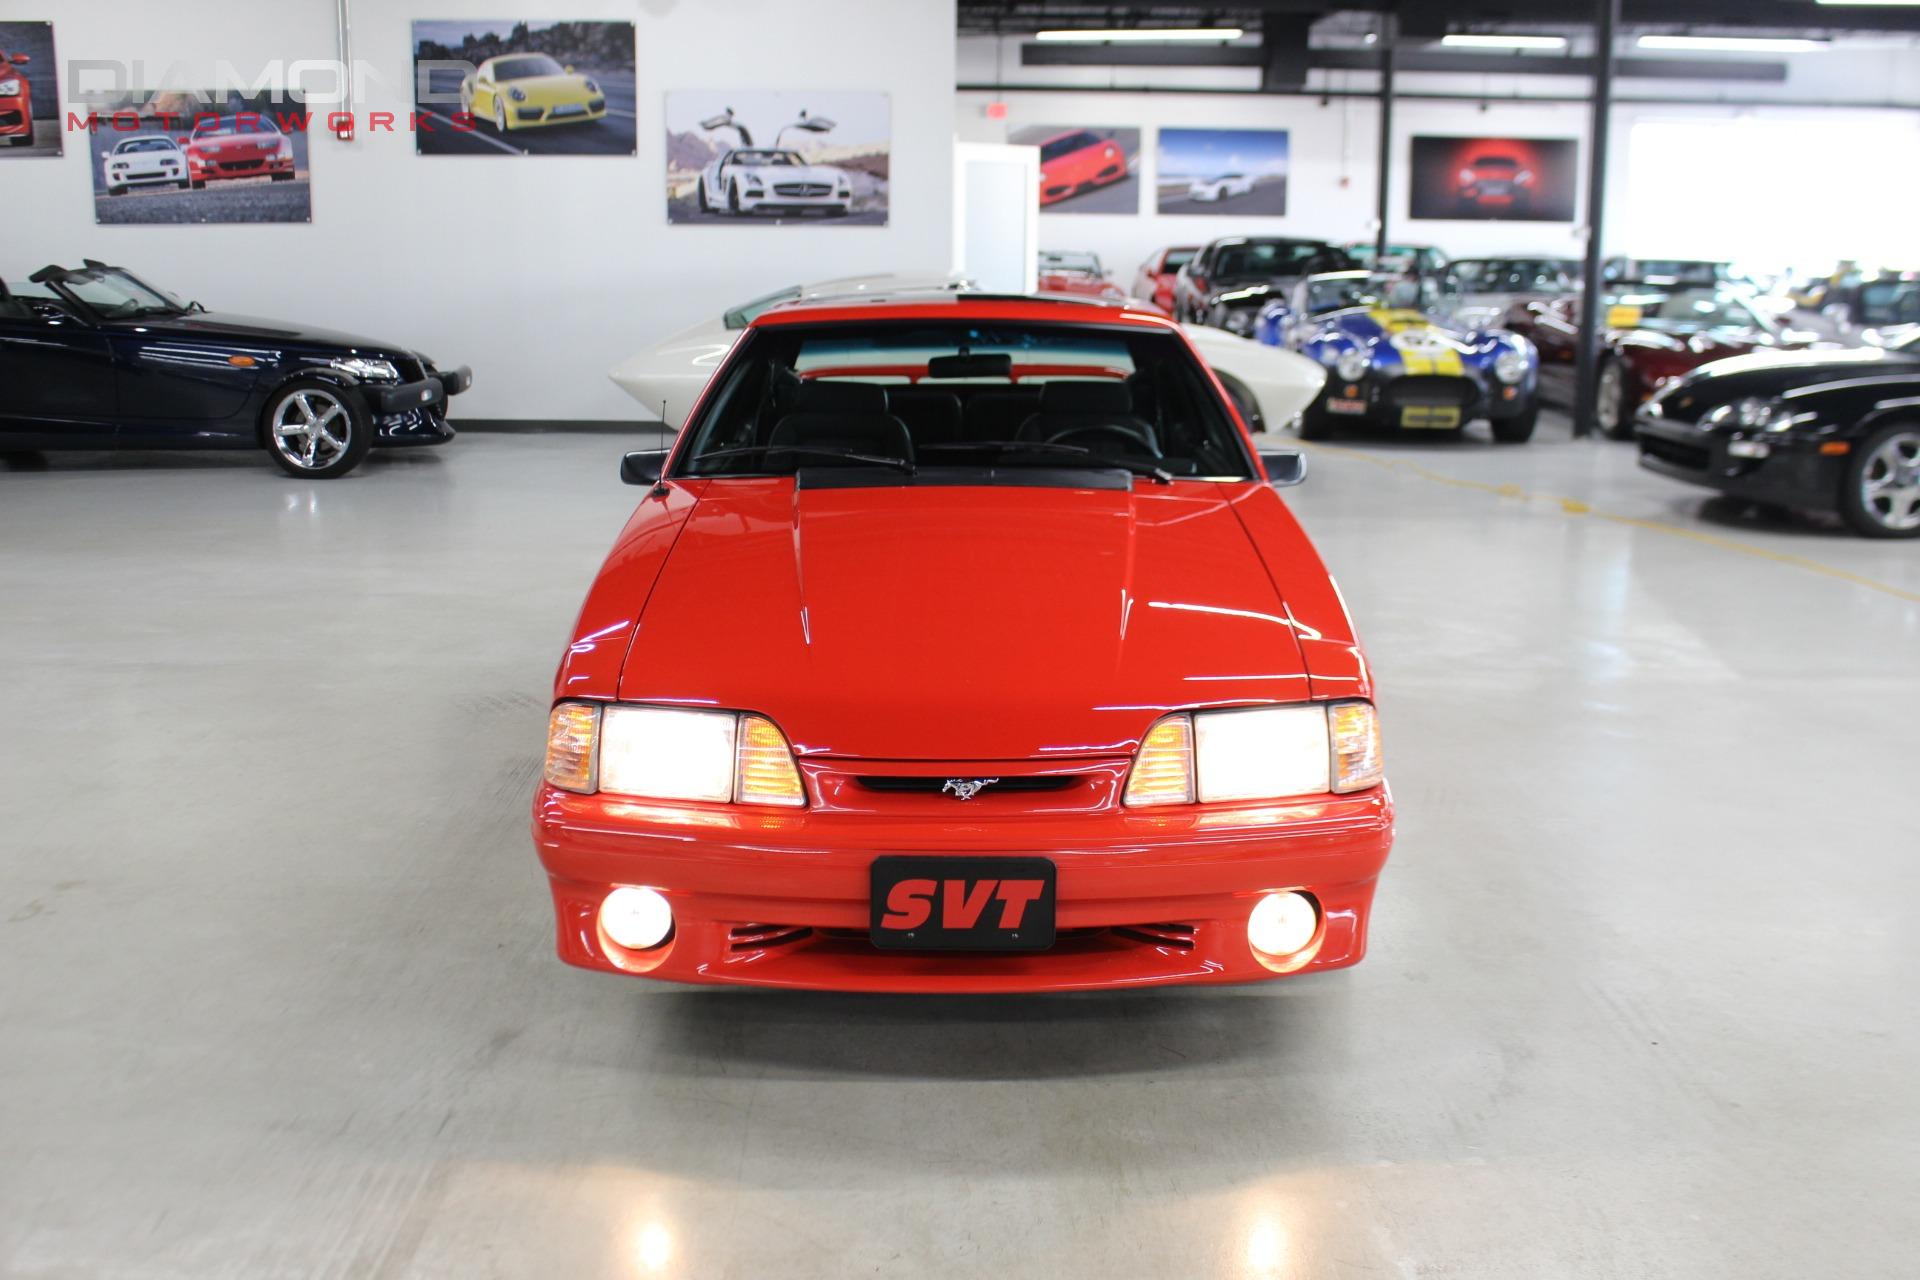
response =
{"points": [[1086, 397], [863, 433], [841, 397]]}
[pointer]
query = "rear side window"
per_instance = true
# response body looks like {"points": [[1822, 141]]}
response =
{"points": [[983, 395]]}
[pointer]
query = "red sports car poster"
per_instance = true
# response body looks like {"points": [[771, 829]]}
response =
{"points": [[1085, 168], [1493, 179]]}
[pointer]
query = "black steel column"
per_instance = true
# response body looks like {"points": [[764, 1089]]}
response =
{"points": [[1606, 20], [1389, 28]]}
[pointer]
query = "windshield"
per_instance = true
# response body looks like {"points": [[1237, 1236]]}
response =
{"points": [[1177, 258], [234, 124], [1067, 145], [1683, 311], [527, 67], [1265, 259], [117, 294], [1338, 292], [144, 144], [1507, 275], [979, 399], [790, 158], [1085, 263]]}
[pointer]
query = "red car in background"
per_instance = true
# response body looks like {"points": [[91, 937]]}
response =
{"points": [[243, 145], [1078, 160], [1079, 274], [16, 100], [962, 644], [1494, 182], [1653, 336], [1154, 281]]}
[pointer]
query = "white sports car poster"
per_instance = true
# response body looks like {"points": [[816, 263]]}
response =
{"points": [[1241, 172], [758, 157]]}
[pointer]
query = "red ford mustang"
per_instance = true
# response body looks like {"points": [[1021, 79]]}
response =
{"points": [[962, 644]]}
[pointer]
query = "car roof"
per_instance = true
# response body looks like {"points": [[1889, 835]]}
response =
{"points": [[952, 304]]}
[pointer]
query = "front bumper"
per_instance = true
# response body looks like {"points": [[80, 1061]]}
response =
{"points": [[780, 898], [538, 115], [1794, 473], [1423, 401], [414, 413], [16, 118], [218, 168], [773, 200]]}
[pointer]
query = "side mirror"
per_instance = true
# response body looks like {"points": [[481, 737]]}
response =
{"points": [[568, 68], [22, 59], [1285, 467], [643, 466]]}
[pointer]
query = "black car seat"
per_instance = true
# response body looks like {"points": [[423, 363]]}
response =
{"points": [[932, 416], [996, 414], [1072, 410], [844, 415]]}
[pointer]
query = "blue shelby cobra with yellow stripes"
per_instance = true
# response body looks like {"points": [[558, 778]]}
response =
{"points": [[1393, 366]]}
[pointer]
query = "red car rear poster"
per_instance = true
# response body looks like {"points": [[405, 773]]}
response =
{"points": [[1085, 168], [1493, 179]]}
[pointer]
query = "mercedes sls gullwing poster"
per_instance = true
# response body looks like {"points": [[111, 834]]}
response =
{"points": [[747, 157]]}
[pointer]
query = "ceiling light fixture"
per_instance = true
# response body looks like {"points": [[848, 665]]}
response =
{"points": [[1735, 44], [1119, 35], [1504, 42]]}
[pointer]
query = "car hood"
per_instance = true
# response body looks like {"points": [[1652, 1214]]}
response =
{"points": [[922, 623], [221, 324], [546, 90], [1771, 372]]}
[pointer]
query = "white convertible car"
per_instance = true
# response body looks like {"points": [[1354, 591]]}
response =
{"points": [[1270, 385], [148, 160], [1214, 190], [752, 179]]}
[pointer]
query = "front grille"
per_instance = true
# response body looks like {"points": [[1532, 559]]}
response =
{"points": [[1431, 389], [764, 937], [934, 786], [11, 119], [802, 188], [1177, 936], [239, 166], [532, 113], [1693, 457]]}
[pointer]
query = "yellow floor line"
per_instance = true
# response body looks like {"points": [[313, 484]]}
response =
{"points": [[1575, 507]]}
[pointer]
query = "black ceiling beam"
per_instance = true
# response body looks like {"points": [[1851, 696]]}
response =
{"points": [[1746, 69]]}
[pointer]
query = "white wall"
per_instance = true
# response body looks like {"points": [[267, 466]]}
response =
{"points": [[540, 272]]}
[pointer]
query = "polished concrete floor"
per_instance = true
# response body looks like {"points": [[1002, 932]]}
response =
{"points": [[278, 999]]}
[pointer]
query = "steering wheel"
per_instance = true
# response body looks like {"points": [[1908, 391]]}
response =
{"points": [[1137, 441]]}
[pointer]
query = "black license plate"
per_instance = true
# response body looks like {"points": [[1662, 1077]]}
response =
{"points": [[962, 904]]}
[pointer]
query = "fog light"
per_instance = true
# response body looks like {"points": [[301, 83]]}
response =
{"points": [[1748, 449], [637, 919], [1282, 923]]}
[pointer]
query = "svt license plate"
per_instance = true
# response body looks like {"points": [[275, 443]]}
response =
{"points": [[1426, 415], [1337, 404], [962, 904]]}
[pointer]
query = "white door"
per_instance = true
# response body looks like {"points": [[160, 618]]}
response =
{"points": [[996, 238]]}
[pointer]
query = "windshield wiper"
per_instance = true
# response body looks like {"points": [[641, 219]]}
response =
{"points": [[811, 451], [1159, 475]]}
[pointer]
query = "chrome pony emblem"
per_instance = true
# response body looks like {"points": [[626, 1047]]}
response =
{"points": [[966, 788]]}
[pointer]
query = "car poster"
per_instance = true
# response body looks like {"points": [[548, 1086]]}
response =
{"points": [[748, 157], [523, 88], [1085, 168], [1493, 179], [1236, 172], [182, 157], [29, 91]]}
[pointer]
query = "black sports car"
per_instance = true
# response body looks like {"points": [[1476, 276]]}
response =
{"points": [[1838, 430], [1230, 279], [96, 358]]}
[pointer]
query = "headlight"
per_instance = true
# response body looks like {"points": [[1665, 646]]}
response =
{"points": [[371, 370], [669, 753], [592, 87], [1753, 412], [1257, 753], [9, 88], [1511, 366], [1240, 321], [1352, 364], [518, 95]]}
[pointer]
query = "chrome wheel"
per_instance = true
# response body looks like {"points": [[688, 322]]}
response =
{"points": [[1609, 398], [499, 115], [311, 429], [1890, 482]]}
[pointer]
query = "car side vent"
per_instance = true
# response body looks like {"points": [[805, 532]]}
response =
{"points": [[1178, 936], [934, 786], [763, 937]]}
